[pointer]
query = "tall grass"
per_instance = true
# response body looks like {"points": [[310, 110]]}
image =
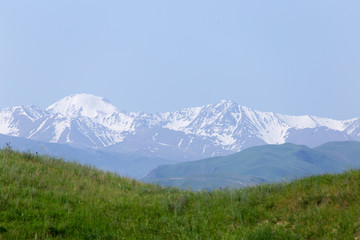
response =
{"points": [[46, 198]]}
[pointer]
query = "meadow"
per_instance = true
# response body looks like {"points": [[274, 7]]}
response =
{"points": [[46, 198]]}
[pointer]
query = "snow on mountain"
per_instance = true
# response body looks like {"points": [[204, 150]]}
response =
{"points": [[353, 127], [6, 122], [88, 121], [83, 120], [18, 121], [82, 105]]}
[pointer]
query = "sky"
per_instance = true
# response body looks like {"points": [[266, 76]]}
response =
{"points": [[292, 57]]}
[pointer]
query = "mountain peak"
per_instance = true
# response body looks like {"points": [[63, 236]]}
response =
{"points": [[86, 105], [225, 105]]}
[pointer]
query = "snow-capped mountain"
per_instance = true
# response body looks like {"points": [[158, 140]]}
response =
{"points": [[88, 121]]}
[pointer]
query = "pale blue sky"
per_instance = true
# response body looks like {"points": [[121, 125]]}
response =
{"points": [[294, 57]]}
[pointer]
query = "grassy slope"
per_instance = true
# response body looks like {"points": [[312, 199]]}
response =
{"points": [[45, 198]]}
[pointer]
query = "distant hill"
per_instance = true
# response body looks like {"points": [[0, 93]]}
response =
{"points": [[268, 163], [46, 198]]}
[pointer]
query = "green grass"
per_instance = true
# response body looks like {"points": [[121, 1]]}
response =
{"points": [[46, 198]]}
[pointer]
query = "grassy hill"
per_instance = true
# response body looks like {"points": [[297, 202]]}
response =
{"points": [[267, 163], [46, 198]]}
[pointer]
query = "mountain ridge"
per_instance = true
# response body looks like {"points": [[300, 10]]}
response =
{"points": [[88, 121]]}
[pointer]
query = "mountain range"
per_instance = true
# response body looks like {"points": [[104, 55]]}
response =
{"points": [[85, 121]]}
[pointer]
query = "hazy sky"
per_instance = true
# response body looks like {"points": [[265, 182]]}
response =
{"points": [[294, 57]]}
